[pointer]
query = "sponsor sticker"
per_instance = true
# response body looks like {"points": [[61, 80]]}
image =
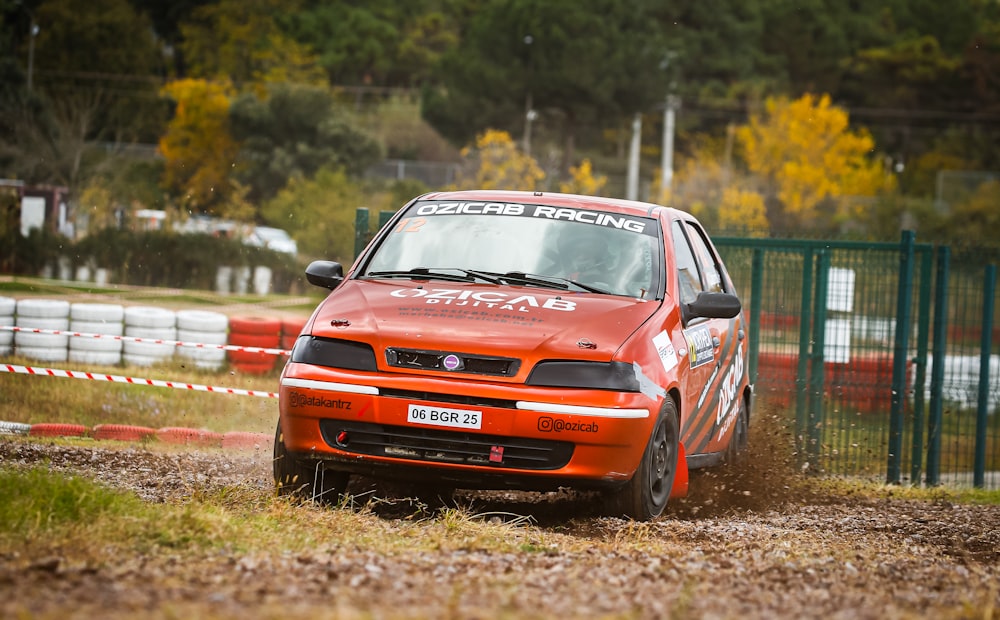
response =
{"points": [[701, 349], [665, 350]]}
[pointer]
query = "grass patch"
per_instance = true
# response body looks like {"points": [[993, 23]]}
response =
{"points": [[85, 521], [847, 487]]}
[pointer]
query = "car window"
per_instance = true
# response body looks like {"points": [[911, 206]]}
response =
{"points": [[613, 253], [688, 276], [711, 274]]}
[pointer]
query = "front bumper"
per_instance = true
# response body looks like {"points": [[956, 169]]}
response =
{"points": [[526, 437]]}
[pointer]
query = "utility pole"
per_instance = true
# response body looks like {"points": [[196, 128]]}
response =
{"points": [[632, 188], [32, 33], [529, 113], [667, 163]]}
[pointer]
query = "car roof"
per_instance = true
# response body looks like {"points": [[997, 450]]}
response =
{"points": [[555, 199]]}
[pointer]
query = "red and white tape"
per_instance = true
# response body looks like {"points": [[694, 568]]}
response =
{"points": [[92, 376], [176, 343]]}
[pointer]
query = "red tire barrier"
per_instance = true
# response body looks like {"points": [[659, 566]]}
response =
{"points": [[250, 331], [188, 436], [247, 441], [122, 432], [290, 330], [47, 429], [255, 325]]}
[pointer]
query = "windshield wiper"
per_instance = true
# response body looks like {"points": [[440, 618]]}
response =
{"points": [[531, 279], [442, 273]]}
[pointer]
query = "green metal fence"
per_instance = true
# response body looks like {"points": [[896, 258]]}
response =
{"points": [[884, 355]]}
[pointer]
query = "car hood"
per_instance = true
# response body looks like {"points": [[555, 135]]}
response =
{"points": [[491, 320]]}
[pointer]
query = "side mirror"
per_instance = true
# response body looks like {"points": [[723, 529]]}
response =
{"points": [[713, 306], [325, 273]]}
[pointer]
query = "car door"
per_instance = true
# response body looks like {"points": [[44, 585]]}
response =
{"points": [[714, 346]]}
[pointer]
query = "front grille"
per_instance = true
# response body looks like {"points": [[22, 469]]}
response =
{"points": [[460, 362], [430, 445]]}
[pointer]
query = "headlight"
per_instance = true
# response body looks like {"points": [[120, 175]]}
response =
{"points": [[334, 353], [617, 376]]}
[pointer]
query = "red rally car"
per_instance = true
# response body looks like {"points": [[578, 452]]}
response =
{"points": [[520, 340]]}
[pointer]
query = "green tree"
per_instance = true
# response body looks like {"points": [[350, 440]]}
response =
{"points": [[294, 131], [243, 41], [319, 213], [521, 53], [83, 89]]}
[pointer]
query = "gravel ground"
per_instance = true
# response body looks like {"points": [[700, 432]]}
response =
{"points": [[744, 546]]}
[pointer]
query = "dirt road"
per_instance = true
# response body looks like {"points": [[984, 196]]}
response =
{"points": [[743, 546]]}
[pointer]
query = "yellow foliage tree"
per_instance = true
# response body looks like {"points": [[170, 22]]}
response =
{"points": [[743, 210], [582, 180], [197, 146], [498, 164], [806, 151]]}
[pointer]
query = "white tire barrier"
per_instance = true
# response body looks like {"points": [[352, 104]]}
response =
{"points": [[51, 314], [7, 307], [105, 319], [203, 327], [152, 323]]}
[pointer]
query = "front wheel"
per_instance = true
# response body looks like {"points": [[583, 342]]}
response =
{"points": [[310, 480], [645, 496], [741, 433]]}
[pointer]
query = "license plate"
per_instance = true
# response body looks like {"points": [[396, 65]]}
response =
{"points": [[439, 416]]}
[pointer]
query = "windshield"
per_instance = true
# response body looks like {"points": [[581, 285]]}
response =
{"points": [[605, 252]]}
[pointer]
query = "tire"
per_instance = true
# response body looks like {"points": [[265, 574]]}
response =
{"points": [[35, 322], [310, 480], [6, 335], [31, 340], [105, 328], [7, 306], [202, 320], [58, 430], [185, 436], [43, 308], [95, 358], [255, 325], [97, 345], [201, 336], [741, 435], [645, 496], [14, 428], [122, 432], [97, 313], [149, 316], [42, 354]]}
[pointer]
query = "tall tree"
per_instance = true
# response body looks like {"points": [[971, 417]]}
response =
{"points": [[573, 62], [379, 42], [294, 131], [198, 148], [82, 89], [810, 157], [243, 41]]}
